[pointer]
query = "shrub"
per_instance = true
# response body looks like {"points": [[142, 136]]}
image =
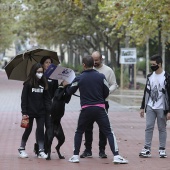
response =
{"points": [[125, 77], [141, 65]]}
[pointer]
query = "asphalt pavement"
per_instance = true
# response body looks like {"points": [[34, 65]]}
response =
{"points": [[128, 127]]}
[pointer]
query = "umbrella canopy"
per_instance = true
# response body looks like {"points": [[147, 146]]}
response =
{"points": [[19, 67]]}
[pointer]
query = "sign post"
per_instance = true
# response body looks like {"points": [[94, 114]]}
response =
{"points": [[128, 56]]}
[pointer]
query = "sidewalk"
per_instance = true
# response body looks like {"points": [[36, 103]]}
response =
{"points": [[127, 125]]}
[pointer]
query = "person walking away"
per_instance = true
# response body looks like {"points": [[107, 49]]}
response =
{"points": [[35, 103], [92, 99], [156, 104], [111, 79]]}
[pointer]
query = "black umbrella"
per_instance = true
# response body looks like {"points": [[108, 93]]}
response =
{"points": [[19, 67]]}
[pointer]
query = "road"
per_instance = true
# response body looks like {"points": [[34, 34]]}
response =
{"points": [[124, 117]]}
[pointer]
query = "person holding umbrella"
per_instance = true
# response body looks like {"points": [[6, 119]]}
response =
{"points": [[35, 103], [52, 86]]}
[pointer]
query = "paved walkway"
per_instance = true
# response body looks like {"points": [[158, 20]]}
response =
{"points": [[128, 127]]}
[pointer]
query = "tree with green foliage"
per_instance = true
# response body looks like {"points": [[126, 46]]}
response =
{"points": [[8, 23], [80, 24], [140, 19]]}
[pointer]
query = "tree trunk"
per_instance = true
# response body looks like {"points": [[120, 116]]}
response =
{"points": [[113, 58], [61, 53], [70, 55]]}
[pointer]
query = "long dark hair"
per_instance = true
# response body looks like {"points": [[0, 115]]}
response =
{"points": [[33, 80]]}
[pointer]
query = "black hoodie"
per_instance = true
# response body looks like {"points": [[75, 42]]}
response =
{"points": [[35, 102]]}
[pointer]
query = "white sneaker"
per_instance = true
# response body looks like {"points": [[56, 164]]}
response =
{"points": [[42, 155], [22, 153], [145, 153], [119, 160], [74, 159], [162, 153]]}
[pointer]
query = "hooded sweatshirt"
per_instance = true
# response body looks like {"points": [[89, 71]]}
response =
{"points": [[35, 102]]}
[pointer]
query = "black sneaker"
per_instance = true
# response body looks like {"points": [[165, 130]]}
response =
{"points": [[86, 154], [102, 155]]}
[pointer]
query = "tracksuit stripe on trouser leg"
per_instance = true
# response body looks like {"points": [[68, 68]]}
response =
{"points": [[115, 140], [101, 117]]}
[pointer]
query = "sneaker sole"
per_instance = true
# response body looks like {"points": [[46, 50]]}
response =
{"points": [[41, 157], [163, 156], [74, 161], [86, 156], [144, 156], [120, 162], [103, 157], [23, 157]]}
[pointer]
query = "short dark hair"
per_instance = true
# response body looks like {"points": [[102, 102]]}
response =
{"points": [[156, 58], [88, 61], [44, 59]]}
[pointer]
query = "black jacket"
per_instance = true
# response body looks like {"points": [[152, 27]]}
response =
{"points": [[92, 85], [52, 86], [35, 102], [165, 92]]}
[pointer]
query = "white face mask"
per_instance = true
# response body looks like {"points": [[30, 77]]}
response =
{"points": [[39, 75]]}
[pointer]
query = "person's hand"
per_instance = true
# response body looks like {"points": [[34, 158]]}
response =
{"points": [[25, 116], [168, 116], [64, 83], [142, 113]]}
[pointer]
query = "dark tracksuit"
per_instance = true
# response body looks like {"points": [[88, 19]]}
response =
{"points": [[93, 89], [36, 103], [89, 136]]}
